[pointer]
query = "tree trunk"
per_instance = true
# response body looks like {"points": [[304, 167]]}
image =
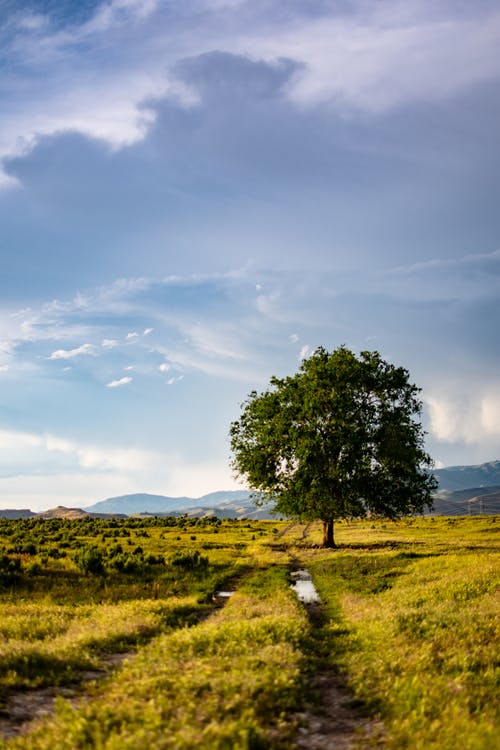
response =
{"points": [[328, 540]]}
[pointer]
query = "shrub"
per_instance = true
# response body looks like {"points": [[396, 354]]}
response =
{"points": [[10, 569], [33, 568], [190, 561], [90, 560]]}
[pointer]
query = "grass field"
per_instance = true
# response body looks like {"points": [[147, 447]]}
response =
{"points": [[410, 621]]}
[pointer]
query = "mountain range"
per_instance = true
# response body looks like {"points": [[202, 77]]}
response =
{"points": [[463, 477], [462, 490], [152, 504]]}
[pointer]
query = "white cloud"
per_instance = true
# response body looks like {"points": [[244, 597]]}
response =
{"points": [[294, 338], [32, 22], [118, 12], [109, 343], [14, 443], [191, 356], [214, 346], [465, 414], [85, 349], [305, 351], [104, 101], [120, 289], [223, 343], [9, 438], [7, 347], [114, 459], [165, 367], [80, 300], [62, 445], [477, 260], [43, 446], [147, 331], [490, 412], [119, 383], [265, 303], [44, 324], [376, 59], [467, 277], [174, 379], [4, 368], [199, 478]]}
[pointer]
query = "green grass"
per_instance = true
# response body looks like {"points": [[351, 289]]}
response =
{"points": [[52, 644], [410, 618], [416, 612], [229, 682], [56, 619]]}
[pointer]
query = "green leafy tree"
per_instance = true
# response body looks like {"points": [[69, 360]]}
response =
{"points": [[341, 438]]}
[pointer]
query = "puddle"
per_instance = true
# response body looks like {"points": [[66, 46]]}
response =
{"points": [[221, 597], [304, 587]]}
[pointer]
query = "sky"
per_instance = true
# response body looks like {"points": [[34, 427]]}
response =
{"points": [[196, 194]]}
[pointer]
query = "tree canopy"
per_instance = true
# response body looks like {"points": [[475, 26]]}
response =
{"points": [[342, 438]]}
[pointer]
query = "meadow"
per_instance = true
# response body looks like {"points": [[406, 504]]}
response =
{"points": [[122, 619]]}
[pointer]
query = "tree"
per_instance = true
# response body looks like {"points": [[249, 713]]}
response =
{"points": [[341, 438]]}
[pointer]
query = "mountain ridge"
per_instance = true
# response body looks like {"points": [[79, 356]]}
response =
{"points": [[460, 491], [144, 502], [464, 477]]}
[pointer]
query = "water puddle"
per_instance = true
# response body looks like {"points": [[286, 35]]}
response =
{"points": [[221, 597], [304, 587]]}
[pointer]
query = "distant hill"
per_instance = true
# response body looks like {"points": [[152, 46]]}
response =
{"points": [[463, 477], [17, 513], [139, 503], [238, 508], [224, 496], [161, 504], [62, 512], [472, 501], [486, 504]]}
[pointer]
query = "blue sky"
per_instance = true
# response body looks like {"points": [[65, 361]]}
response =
{"points": [[194, 195]]}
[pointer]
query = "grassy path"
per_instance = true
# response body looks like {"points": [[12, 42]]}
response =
{"points": [[229, 682], [332, 719], [85, 645], [406, 635], [414, 620]]}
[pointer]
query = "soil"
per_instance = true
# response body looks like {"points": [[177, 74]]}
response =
{"points": [[336, 723]]}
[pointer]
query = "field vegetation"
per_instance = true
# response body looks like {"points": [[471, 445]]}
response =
{"points": [[409, 621]]}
